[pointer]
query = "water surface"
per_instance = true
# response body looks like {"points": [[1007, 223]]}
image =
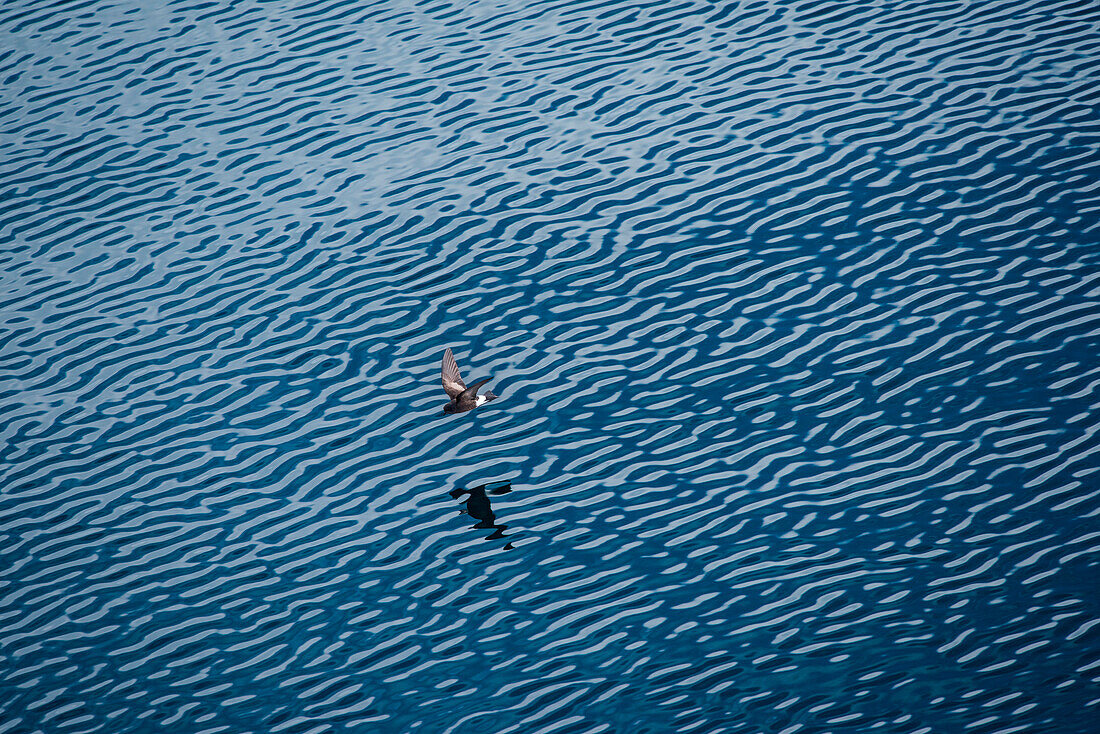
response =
{"points": [[794, 309]]}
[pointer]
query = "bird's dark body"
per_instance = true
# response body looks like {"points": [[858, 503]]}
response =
{"points": [[468, 399]]}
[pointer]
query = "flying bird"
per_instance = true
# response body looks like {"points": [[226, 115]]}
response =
{"points": [[462, 398]]}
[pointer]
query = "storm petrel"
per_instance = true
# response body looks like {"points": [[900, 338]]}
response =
{"points": [[462, 398]]}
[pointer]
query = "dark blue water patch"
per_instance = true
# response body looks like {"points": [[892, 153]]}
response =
{"points": [[792, 308]]}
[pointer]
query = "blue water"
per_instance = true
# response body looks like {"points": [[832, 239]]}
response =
{"points": [[793, 308]]}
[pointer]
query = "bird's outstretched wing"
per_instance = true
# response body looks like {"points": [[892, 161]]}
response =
{"points": [[452, 383]]}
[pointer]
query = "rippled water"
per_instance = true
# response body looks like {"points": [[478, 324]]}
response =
{"points": [[794, 310]]}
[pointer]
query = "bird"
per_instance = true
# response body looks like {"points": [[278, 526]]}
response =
{"points": [[462, 398]]}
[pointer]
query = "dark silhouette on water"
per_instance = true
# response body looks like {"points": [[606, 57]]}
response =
{"points": [[462, 398], [480, 508]]}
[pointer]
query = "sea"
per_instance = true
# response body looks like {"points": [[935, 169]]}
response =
{"points": [[792, 309]]}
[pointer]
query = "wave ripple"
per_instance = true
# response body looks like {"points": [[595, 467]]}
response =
{"points": [[794, 308]]}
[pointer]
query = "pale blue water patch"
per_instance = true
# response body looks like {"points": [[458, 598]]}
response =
{"points": [[792, 308]]}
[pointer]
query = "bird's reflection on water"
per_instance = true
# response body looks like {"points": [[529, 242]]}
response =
{"points": [[480, 508]]}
